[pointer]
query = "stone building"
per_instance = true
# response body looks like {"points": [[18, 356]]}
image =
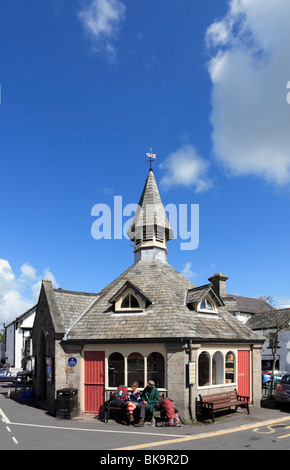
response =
{"points": [[150, 322]]}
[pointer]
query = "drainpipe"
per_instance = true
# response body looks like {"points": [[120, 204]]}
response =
{"points": [[190, 386]]}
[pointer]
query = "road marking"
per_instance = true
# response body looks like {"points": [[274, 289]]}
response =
{"points": [[8, 429], [4, 417], [93, 430], [153, 444], [203, 436], [282, 437], [271, 429], [7, 421]]}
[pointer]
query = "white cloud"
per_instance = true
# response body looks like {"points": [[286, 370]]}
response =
{"points": [[186, 272], [19, 293], [282, 302], [185, 167], [250, 69], [102, 20], [28, 271]]}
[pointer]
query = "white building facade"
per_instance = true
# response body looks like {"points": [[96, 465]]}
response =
{"points": [[18, 341]]}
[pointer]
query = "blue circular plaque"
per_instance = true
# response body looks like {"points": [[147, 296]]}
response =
{"points": [[72, 361]]}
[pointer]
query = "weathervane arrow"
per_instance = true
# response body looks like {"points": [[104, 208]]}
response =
{"points": [[152, 157]]}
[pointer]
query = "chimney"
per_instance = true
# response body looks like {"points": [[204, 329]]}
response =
{"points": [[218, 281]]}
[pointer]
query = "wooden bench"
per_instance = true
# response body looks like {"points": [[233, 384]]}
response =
{"points": [[121, 410], [220, 401]]}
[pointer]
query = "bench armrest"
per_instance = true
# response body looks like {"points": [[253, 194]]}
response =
{"points": [[243, 398]]}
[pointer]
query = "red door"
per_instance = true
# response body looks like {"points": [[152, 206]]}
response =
{"points": [[94, 380], [244, 373]]}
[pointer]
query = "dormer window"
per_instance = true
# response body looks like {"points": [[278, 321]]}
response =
{"points": [[129, 298], [207, 305], [130, 302], [203, 299]]}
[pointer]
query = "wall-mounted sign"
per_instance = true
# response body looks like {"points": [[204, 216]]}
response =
{"points": [[72, 361], [49, 369], [192, 372]]}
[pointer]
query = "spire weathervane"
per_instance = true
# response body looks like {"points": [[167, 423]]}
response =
{"points": [[152, 157]]}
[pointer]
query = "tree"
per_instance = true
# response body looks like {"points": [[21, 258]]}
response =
{"points": [[2, 334], [273, 323]]}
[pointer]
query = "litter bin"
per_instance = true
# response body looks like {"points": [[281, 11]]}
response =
{"points": [[67, 403]]}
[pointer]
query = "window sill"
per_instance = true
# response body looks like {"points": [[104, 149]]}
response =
{"points": [[129, 312], [205, 387]]}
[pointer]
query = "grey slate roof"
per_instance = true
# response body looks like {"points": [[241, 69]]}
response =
{"points": [[249, 304], [270, 319], [167, 318], [72, 304]]}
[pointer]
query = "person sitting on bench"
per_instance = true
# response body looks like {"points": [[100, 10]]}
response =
{"points": [[149, 399], [132, 403]]}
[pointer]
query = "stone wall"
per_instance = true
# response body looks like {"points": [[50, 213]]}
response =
{"points": [[177, 388]]}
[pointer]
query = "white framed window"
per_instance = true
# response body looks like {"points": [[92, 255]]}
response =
{"points": [[207, 306], [216, 368], [130, 301], [135, 366]]}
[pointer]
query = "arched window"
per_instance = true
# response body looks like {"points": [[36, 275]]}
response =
{"points": [[155, 369], [135, 368], [130, 302], [217, 368], [206, 304], [204, 369], [116, 369], [230, 368]]}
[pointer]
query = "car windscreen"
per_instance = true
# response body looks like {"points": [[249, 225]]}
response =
{"points": [[286, 379]]}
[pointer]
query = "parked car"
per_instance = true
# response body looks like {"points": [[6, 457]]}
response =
{"points": [[282, 394], [6, 376], [267, 377]]}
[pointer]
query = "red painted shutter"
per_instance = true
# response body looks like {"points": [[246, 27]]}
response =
{"points": [[244, 373], [94, 380]]}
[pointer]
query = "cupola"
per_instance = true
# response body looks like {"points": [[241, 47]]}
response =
{"points": [[150, 229]]}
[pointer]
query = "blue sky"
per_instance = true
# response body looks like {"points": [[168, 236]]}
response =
{"points": [[88, 87]]}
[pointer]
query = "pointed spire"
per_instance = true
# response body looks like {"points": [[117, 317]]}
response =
{"points": [[150, 228]]}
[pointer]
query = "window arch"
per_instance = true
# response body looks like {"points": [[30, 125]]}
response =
{"points": [[230, 367], [207, 305], [217, 368], [116, 369], [135, 367], [156, 369], [204, 369], [130, 302]]}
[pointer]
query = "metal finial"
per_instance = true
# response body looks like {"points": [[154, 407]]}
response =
{"points": [[152, 157]]}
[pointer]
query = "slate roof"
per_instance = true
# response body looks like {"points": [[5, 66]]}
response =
{"points": [[167, 318], [268, 320], [249, 304], [72, 304]]}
